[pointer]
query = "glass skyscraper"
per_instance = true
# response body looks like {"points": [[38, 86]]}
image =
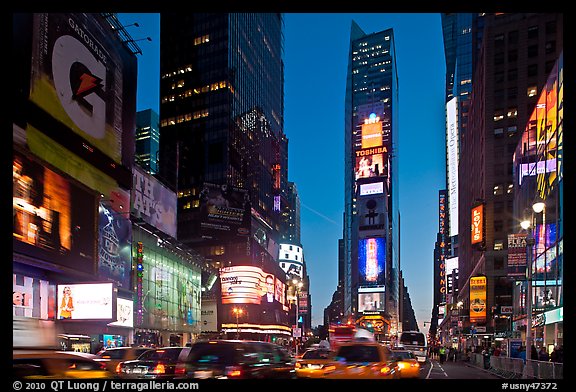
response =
{"points": [[371, 210]]}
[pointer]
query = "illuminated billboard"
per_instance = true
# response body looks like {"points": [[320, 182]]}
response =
{"points": [[249, 285], [477, 299], [85, 78], [517, 255], [124, 313], [370, 162], [114, 246], [452, 163], [373, 188], [291, 259], [478, 224], [32, 297], [225, 211], [54, 219], [372, 261], [86, 301], [153, 202], [372, 213], [372, 134], [371, 301]]}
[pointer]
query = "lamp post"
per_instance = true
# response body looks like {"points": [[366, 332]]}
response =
{"points": [[297, 286], [237, 312], [459, 305], [528, 224]]}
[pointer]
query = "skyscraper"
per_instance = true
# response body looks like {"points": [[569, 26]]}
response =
{"points": [[221, 136], [371, 214], [147, 140]]}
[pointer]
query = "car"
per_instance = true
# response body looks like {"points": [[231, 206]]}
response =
{"points": [[236, 359], [313, 363], [407, 363], [363, 360], [158, 363], [52, 364], [113, 356]]}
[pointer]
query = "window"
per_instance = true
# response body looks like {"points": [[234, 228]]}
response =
{"points": [[533, 51], [499, 58], [498, 77], [512, 113], [510, 188], [533, 70], [512, 55], [551, 27], [498, 226], [499, 115], [498, 245], [499, 39], [532, 91], [498, 131], [550, 47], [498, 189], [512, 92], [533, 32], [511, 131], [513, 37], [549, 65], [513, 74]]}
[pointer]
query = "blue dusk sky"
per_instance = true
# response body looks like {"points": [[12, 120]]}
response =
{"points": [[315, 62]]}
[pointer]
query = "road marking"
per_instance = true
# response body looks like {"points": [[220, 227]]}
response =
{"points": [[432, 367]]}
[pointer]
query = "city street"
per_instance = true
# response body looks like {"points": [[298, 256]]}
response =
{"points": [[453, 370]]}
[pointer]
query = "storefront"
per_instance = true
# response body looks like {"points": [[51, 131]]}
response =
{"points": [[168, 290]]}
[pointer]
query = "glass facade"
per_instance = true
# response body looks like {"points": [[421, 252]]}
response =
{"points": [[170, 293], [147, 140]]}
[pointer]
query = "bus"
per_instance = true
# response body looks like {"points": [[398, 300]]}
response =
{"points": [[416, 342], [338, 333]]}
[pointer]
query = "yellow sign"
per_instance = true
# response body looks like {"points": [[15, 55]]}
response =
{"points": [[477, 299]]}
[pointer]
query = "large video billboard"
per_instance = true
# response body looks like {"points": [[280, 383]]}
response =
{"points": [[372, 134], [371, 301], [85, 78], [517, 255], [86, 301], [153, 202], [224, 211], [370, 162], [32, 297], [372, 261], [114, 246], [250, 285], [477, 299], [53, 218], [372, 212]]}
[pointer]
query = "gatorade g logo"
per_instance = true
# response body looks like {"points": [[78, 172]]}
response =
{"points": [[80, 79]]}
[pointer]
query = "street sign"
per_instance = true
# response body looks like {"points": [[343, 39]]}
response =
{"points": [[297, 332]]}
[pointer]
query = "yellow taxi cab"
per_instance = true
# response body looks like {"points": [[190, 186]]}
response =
{"points": [[49, 364], [314, 362], [363, 359], [407, 363]]}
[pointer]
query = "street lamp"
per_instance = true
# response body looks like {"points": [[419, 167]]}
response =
{"points": [[459, 306], [297, 286], [237, 312], [528, 224]]}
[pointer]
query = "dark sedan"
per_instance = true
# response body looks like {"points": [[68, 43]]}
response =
{"points": [[158, 363]]}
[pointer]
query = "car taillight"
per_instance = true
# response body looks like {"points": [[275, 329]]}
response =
{"points": [[385, 370], [297, 365], [180, 369], [119, 367], [414, 364], [233, 371], [159, 369]]}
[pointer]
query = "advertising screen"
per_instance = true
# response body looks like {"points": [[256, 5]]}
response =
{"points": [[53, 218], [374, 188], [477, 299], [372, 134], [114, 246], [370, 162], [371, 213], [32, 297], [86, 79], [86, 301], [153, 202], [124, 313], [517, 255], [452, 148], [248, 285], [224, 211], [371, 302], [371, 261]]}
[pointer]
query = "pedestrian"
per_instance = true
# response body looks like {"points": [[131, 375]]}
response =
{"points": [[522, 354], [442, 352], [543, 355], [534, 353]]}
